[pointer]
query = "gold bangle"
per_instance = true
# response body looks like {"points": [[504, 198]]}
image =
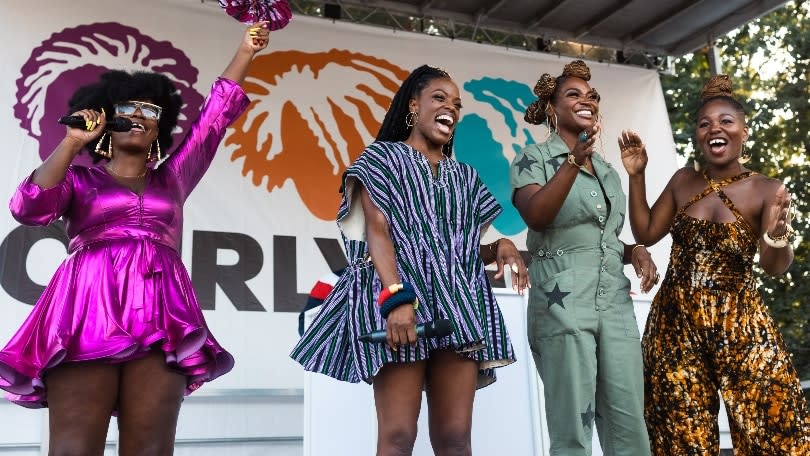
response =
{"points": [[572, 160], [778, 242], [634, 250]]}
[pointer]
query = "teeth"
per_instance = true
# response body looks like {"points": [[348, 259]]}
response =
{"points": [[717, 142], [584, 113], [445, 119]]}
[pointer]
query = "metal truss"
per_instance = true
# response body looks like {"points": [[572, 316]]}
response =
{"points": [[475, 32]]}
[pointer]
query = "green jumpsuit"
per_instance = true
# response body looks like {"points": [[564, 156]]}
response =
{"points": [[581, 325]]}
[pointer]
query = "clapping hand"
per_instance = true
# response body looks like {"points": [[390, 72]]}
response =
{"points": [[779, 215], [634, 154]]}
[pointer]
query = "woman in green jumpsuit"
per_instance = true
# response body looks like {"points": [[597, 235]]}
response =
{"points": [[581, 325]]}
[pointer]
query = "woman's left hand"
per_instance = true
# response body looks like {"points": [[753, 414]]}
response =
{"points": [[509, 256], [645, 268], [257, 36]]}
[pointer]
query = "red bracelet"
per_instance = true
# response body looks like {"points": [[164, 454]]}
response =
{"points": [[387, 292]]}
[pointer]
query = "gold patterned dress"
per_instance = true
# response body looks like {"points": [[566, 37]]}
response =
{"points": [[709, 331]]}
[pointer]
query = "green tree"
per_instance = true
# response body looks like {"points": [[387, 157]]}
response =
{"points": [[779, 123]]}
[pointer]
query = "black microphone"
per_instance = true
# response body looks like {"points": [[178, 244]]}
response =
{"points": [[114, 124], [436, 328]]}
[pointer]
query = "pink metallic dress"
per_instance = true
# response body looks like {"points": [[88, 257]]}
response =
{"points": [[123, 289]]}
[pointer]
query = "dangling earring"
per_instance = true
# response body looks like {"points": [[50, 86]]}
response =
{"points": [[411, 118], [109, 151], [744, 158], [153, 158], [556, 131]]}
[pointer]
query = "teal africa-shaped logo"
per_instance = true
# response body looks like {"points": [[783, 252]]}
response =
{"points": [[488, 137]]}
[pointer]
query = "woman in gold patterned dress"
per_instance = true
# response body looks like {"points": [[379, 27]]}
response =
{"points": [[708, 330]]}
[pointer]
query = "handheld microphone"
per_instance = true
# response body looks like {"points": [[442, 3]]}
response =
{"points": [[436, 328], [114, 124]]}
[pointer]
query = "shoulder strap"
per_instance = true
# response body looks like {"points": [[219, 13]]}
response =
{"points": [[717, 187]]}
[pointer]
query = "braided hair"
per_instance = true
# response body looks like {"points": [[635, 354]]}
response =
{"points": [[718, 87], [547, 87], [116, 86], [394, 126]]}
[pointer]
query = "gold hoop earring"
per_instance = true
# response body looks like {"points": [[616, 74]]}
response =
{"points": [[109, 151], [156, 157], [411, 118], [744, 158]]}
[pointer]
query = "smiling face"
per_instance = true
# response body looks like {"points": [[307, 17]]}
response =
{"points": [[145, 117], [439, 107], [721, 131], [575, 106]]}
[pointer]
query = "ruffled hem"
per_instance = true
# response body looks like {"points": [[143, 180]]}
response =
{"points": [[113, 301], [330, 345], [199, 358]]}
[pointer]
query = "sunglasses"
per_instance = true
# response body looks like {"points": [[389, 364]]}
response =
{"points": [[148, 110]]}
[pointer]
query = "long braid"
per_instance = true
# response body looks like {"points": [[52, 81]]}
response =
{"points": [[394, 127]]}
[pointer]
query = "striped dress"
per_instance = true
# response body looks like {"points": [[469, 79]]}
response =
{"points": [[436, 224]]}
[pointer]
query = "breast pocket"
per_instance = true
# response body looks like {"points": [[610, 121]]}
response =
{"points": [[551, 309]]}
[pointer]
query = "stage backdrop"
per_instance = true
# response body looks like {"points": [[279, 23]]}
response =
{"points": [[260, 229]]}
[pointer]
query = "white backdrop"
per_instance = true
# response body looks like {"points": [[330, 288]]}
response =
{"points": [[326, 84]]}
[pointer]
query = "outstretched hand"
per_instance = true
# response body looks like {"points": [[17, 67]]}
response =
{"points": [[634, 154]]}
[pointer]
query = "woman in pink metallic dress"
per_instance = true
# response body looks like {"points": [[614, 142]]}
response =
{"points": [[118, 329]]}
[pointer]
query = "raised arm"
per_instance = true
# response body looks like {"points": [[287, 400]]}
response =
{"points": [[225, 103], [255, 39], [648, 225]]}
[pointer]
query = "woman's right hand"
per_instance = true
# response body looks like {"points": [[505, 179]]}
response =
{"points": [[634, 154], [583, 150], [401, 327], [96, 122]]}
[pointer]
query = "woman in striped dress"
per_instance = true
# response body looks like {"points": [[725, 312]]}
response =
{"points": [[411, 215]]}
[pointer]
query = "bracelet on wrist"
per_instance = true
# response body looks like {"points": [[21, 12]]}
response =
{"points": [[396, 295], [633, 251], [572, 160], [778, 242]]}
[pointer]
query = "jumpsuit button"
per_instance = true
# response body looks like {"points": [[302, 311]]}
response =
{"points": [[601, 218], [604, 245], [593, 193], [601, 292], [599, 206]]}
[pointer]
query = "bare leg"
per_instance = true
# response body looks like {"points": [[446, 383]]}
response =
{"points": [[398, 398], [451, 384], [81, 398], [149, 404]]}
